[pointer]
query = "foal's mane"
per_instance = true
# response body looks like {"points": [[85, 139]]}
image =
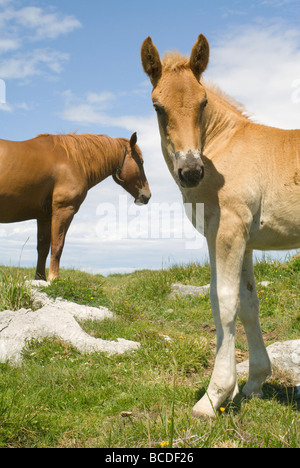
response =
{"points": [[174, 62], [94, 154]]}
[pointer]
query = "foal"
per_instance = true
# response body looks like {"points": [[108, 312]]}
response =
{"points": [[248, 177], [48, 178]]}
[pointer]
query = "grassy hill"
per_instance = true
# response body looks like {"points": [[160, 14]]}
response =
{"points": [[61, 398]]}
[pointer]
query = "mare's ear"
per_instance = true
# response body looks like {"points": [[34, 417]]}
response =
{"points": [[151, 60], [133, 140], [200, 56]]}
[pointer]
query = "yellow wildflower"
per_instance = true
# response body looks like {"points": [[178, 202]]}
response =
{"points": [[164, 444]]}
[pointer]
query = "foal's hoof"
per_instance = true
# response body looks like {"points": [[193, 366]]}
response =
{"points": [[203, 411], [249, 391]]}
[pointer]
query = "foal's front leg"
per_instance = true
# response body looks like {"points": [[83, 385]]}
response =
{"points": [[226, 256]]}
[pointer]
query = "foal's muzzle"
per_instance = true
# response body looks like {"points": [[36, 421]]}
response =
{"points": [[190, 177], [190, 169]]}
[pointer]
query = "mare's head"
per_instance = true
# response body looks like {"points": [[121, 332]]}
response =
{"points": [[179, 100], [130, 174]]}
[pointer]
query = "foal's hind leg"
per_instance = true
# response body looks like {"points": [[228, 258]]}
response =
{"points": [[260, 366], [43, 247]]}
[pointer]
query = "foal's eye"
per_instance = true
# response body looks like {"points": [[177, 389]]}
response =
{"points": [[158, 108], [202, 107]]}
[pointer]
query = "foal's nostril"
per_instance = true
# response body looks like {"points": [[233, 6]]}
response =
{"points": [[181, 178]]}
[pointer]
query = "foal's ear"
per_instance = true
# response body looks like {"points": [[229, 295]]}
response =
{"points": [[199, 56], [151, 60], [133, 140]]}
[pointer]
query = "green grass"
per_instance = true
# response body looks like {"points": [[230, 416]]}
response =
{"points": [[14, 293], [61, 398]]}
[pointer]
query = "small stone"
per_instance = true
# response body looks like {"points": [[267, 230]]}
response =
{"points": [[126, 414], [265, 284], [187, 290]]}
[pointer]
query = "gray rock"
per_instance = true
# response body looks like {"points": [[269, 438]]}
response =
{"points": [[187, 290], [80, 312], [284, 356], [54, 318]]}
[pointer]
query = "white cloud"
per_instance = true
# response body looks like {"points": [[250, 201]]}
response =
{"points": [[96, 109], [7, 45], [88, 109], [36, 62], [277, 3], [258, 66], [19, 27], [42, 23], [100, 98], [45, 25]]}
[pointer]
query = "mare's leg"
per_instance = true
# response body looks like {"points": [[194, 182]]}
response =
{"points": [[259, 362], [43, 247], [226, 244], [61, 220]]}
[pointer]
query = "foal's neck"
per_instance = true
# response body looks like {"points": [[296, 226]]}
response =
{"points": [[221, 120]]}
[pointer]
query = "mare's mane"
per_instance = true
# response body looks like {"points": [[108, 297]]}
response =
{"points": [[94, 154]]}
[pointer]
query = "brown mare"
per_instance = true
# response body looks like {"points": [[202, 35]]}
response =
{"points": [[47, 179], [248, 177]]}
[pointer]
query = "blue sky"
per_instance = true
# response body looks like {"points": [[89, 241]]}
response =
{"points": [[73, 65]]}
